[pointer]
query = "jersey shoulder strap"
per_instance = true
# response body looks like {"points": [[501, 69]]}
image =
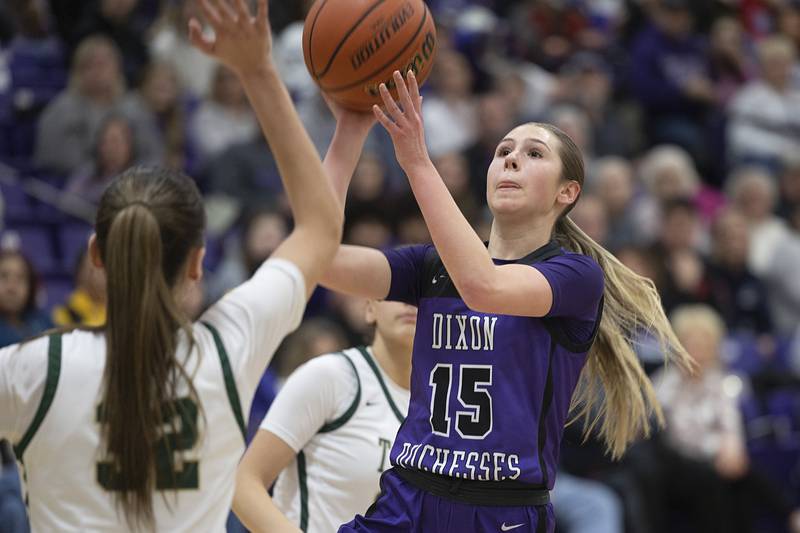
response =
{"points": [[51, 383], [230, 383], [347, 415], [382, 383]]}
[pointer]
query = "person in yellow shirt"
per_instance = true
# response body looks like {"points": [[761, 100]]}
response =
{"points": [[86, 305]]}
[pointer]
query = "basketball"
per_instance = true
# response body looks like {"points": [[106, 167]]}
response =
{"points": [[352, 46]]}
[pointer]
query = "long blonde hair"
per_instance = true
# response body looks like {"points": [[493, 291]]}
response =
{"points": [[614, 395]]}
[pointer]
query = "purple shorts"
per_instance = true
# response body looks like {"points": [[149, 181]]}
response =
{"points": [[404, 508]]}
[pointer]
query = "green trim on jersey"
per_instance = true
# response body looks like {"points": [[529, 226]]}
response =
{"points": [[51, 383], [230, 383], [301, 480], [347, 415], [374, 367]]}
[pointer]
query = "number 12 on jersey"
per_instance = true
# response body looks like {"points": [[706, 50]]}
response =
{"points": [[474, 381]]}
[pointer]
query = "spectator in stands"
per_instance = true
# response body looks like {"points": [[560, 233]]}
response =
{"points": [[705, 441], [754, 193], [37, 62], [632, 215], [790, 186], [368, 226], [159, 115], [592, 217], [668, 172], [224, 118], [263, 229], [496, 118], [683, 273], [731, 64], [738, 295], [574, 121], [314, 337], [669, 75], [86, 305], [114, 151], [451, 110], [19, 316], [527, 89], [370, 184], [547, 32], [169, 43], [452, 166], [118, 20], [68, 126], [246, 173], [586, 82], [586, 506], [765, 115], [781, 279]]}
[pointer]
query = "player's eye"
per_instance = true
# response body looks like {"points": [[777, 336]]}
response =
{"points": [[535, 153], [502, 152]]}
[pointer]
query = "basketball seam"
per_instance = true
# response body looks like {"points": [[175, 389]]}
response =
{"points": [[311, 36], [401, 52], [347, 36]]}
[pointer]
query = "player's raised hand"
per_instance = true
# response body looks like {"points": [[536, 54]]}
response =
{"points": [[241, 41], [356, 122], [404, 125]]}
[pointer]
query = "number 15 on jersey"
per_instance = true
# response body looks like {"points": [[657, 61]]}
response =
{"points": [[474, 385]]}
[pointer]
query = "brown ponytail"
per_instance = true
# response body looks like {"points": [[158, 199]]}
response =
{"points": [[614, 394], [147, 223]]}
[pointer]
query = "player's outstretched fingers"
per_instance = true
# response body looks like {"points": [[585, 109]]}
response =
{"points": [[402, 93], [197, 38], [413, 88], [228, 15], [211, 14], [392, 110], [262, 15], [385, 121], [243, 14]]}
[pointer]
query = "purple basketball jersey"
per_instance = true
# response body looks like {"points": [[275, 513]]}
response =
{"points": [[490, 393]]}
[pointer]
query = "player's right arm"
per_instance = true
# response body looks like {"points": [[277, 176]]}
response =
{"points": [[325, 387], [355, 270], [266, 456], [244, 43]]}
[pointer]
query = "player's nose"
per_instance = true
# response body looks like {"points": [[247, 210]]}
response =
{"points": [[510, 162]]}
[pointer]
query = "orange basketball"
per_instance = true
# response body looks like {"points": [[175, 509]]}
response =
{"points": [[352, 46]]}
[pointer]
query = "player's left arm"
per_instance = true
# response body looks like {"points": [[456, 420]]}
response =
{"points": [[484, 286]]}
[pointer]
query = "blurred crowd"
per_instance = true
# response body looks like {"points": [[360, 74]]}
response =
{"points": [[688, 116]]}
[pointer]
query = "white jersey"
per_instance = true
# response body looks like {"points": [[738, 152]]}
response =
{"points": [[50, 391], [343, 434]]}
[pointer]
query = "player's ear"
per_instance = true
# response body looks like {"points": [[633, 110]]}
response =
{"points": [[568, 192], [194, 263], [94, 252], [369, 312]]}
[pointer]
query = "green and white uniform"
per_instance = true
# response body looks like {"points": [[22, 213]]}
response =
{"points": [[340, 412], [50, 391]]}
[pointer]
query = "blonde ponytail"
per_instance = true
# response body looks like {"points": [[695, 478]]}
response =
{"points": [[614, 395]]}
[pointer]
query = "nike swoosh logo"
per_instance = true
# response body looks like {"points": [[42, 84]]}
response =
{"points": [[504, 527]]}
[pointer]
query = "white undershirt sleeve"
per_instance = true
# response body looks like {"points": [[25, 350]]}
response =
{"points": [[318, 392]]}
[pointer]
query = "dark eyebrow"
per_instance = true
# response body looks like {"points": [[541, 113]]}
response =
{"points": [[538, 141]]}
